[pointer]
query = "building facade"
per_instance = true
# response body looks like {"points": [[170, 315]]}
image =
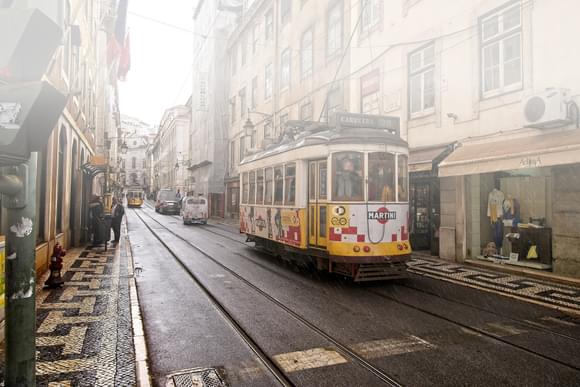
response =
{"points": [[471, 77], [81, 69], [137, 136], [171, 150]]}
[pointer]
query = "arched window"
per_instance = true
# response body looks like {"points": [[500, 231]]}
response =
{"points": [[61, 191]]}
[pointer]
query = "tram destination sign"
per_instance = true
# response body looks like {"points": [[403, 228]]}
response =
{"points": [[353, 120]]}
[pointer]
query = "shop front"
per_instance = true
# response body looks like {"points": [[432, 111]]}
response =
{"points": [[514, 201], [424, 198], [232, 197]]}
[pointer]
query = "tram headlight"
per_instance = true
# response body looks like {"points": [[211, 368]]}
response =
{"points": [[356, 249], [367, 249]]}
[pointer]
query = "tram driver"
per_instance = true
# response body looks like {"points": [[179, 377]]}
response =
{"points": [[349, 180]]}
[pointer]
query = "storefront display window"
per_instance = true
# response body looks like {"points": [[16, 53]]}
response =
{"points": [[509, 218], [381, 177]]}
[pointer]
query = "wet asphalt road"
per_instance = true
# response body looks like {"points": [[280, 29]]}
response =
{"points": [[419, 331]]}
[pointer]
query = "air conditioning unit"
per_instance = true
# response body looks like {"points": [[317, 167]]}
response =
{"points": [[548, 109]]}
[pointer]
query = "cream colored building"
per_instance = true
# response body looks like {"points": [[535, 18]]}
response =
{"points": [[462, 77]]}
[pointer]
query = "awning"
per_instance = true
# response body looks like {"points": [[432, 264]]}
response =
{"points": [[512, 152], [199, 165], [96, 165], [422, 159]]}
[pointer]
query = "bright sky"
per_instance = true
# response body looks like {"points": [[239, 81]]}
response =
{"points": [[161, 58]]}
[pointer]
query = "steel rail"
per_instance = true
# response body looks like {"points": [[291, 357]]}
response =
{"points": [[258, 351], [342, 348]]}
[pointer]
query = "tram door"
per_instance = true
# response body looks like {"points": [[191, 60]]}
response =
{"points": [[317, 204]]}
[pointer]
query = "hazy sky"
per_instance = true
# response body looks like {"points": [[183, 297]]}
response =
{"points": [[161, 57]]}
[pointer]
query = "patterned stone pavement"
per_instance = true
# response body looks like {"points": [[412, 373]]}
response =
{"points": [[84, 332], [556, 296]]}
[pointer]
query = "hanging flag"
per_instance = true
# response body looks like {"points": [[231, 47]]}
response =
{"points": [[125, 59]]}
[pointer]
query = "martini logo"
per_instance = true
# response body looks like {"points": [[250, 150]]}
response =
{"points": [[382, 215]]}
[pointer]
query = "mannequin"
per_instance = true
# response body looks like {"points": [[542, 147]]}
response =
{"points": [[495, 213]]}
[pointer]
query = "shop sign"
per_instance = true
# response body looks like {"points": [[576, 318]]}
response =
{"points": [[382, 215], [531, 162]]}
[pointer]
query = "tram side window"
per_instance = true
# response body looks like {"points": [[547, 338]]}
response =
{"points": [[252, 187], [269, 186], [290, 187], [347, 176], [260, 186], [381, 177], [278, 186], [403, 179], [245, 188], [322, 180]]}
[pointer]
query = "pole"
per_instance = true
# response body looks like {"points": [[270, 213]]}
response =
{"points": [[21, 280]]}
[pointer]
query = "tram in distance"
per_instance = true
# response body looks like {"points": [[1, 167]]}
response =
{"points": [[334, 197], [135, 197]]}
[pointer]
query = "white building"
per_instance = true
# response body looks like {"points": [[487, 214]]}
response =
{"points": [[136, 135]]}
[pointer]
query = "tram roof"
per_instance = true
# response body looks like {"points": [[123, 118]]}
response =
{"points": [[322, 134]]}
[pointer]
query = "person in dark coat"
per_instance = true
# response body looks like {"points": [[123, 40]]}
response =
{"points": [[117, 216], [96, 219]]}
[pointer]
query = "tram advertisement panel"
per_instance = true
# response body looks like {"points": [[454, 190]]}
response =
{"points": [[284, 225], [378, 225]]}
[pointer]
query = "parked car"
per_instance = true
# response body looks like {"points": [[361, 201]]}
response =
{"points": [[167, 202], [194, 210]]}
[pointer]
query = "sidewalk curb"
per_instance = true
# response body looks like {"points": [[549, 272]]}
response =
{"points": [[143, 375]]}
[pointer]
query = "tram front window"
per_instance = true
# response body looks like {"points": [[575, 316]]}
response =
{"points": [[381, 177], [348, 176], [403, 183]]}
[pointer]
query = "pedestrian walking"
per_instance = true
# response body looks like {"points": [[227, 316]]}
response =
{"points": [[96, 220], [117, 216]]}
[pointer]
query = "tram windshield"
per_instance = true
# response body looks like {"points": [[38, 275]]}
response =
{"points": [[381, 177], [348, 171]]}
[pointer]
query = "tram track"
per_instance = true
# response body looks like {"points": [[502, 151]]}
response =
{"points": [[262, 356], [467, 327]]}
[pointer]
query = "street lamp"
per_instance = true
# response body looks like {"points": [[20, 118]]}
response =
{"points": [[124, 148]]}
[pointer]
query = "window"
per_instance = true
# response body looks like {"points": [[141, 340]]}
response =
{"points": [[133, 162], [371, 14], [348, 176], [144, 163], [255, 38], [245, 188], [268, 82], [312, 182], [285, 11], [403, 179], [268, 129], [306, 111], [333, 101], [252, 187], [254, 101], [244, 48], [233, 109], [381, 177], [269, 174], [234, 59], [242, 148], [290, 186], [322, 180], [285, 69], [501, 50], [422, 80], [306, 54], [243, 106], [260, 186], [334, 30], [268, 25], [232, 155], [370, 85], [278, 186]]}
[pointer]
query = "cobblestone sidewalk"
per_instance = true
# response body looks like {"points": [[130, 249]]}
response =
{"points": [[556, 296], [84, 333]]}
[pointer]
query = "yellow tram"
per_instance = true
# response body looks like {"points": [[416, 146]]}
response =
{"points": [[335, 197], [135, 197]]}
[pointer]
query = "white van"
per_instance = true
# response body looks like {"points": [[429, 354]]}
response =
{"points": [[194, 210]]}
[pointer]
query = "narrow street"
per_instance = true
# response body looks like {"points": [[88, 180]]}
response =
{"points": [[210, 300]]}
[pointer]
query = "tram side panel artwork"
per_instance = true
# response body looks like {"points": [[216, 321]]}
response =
{"points": [[284, 225]]}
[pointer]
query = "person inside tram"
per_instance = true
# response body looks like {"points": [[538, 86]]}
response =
{"points": [[380, 184], [349, 180]]}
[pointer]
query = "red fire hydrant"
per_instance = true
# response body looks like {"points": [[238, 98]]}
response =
{"points": [[55, 280]]}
